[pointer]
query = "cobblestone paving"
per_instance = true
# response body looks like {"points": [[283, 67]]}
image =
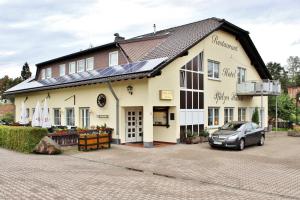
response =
{"points": [[172, 172]]}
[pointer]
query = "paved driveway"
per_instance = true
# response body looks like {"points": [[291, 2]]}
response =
{"points": [[172, 172]]}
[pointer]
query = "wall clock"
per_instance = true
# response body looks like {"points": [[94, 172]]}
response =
{"points": [[101, 100]]}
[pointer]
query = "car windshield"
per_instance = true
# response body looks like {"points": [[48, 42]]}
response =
{"points": [[232, 126]]}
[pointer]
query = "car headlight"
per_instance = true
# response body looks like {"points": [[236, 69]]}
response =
{"points": [[232, 137]]}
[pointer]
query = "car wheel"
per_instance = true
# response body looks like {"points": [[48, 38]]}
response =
{"points": [[241, 145], [261, 141]]}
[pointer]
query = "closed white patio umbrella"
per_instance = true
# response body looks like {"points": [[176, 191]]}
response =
{"points": [[23, 115], [36, 118], [45, 116]]}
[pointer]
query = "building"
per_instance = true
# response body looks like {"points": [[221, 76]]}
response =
{"points": [[157, 86]]}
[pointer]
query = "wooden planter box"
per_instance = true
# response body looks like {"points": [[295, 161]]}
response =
{"points": [[88, 142]]}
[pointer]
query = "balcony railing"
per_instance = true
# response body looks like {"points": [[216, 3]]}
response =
{"points": [[257, 88]]}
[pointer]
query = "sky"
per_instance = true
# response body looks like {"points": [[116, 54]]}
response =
{"points": [[38, 30]]}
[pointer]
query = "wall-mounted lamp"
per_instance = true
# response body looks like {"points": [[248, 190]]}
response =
{"points": [[130, 89], [48, 96]]}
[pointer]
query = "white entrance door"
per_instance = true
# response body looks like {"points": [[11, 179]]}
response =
{"points": [[134, 125]]}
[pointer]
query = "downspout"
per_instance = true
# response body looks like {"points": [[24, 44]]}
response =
{"points": [[117, 111]]}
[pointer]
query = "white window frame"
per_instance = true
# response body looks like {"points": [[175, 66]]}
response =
{"points": [[70, 117], [57, 117], [80, 65], [90, 64], [48, 72], [242, 111], [84, 117], [111, 62], [43, 72], [230, 116], [62, 69], [213, 117], [239, 74], [214, 65], [72, 65]]}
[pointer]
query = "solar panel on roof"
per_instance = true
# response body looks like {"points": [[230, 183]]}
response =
{"points": [[126, 69]]}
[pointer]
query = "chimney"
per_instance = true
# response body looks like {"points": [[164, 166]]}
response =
{"points": [[118, 37], [154, 28]]}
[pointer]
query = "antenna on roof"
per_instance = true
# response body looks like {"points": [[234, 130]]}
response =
{"points": [[154, 28]]}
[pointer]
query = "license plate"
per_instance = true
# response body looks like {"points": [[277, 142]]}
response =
{"points": [[215, 142]]}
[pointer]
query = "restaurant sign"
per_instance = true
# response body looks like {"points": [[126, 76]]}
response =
{"points": [[165, 95], [215, 40]]}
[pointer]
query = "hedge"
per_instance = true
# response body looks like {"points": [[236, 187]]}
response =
{"points": [[22, 139]]}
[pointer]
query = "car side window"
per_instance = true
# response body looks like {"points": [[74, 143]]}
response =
{"points": [[255, 126], [248, 127]]}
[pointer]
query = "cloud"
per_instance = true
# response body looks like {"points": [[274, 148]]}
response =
{"points": [[36, 31]]}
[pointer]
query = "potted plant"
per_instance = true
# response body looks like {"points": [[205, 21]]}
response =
{"points": [[204, 135], [192, 137]]}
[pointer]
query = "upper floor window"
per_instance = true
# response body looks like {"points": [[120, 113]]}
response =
{"points": [[113, 58], [48, 72], [43, 73], [62, 70], [89, 63], [213, 69], [80, 65], [241, 75], [72, 67]]}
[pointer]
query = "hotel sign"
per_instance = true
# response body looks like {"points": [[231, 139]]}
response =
{"points": [[165, 95], [215, 40]]}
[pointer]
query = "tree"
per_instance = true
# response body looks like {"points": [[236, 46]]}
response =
{"points": [[279, 73], [255, 116], [294, 69], [6, 83], [286, 106], [25, 73]]}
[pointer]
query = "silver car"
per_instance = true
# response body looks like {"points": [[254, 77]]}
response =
{"points": [[237, 135]]}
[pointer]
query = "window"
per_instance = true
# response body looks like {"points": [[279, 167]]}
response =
{"points": [[228, 115], [241, 75], [62, 70], [72, 67], [57, 116], [33, 109], [80, 65], [160, 116], [89, 63], [27, 112], [48, 72], [242, 114], [213, 69], [85, 117], [182, 79], [213, 116], [43, 73], [113, 58], [70, 117]]}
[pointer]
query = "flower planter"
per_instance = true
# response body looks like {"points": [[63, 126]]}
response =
{"points": [[193, 140], [203, 139], [88, 142], [294, 133]]}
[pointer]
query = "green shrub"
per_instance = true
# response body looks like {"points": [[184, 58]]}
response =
{"points": [[8, 118], [22, 139], [255, 116]]}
